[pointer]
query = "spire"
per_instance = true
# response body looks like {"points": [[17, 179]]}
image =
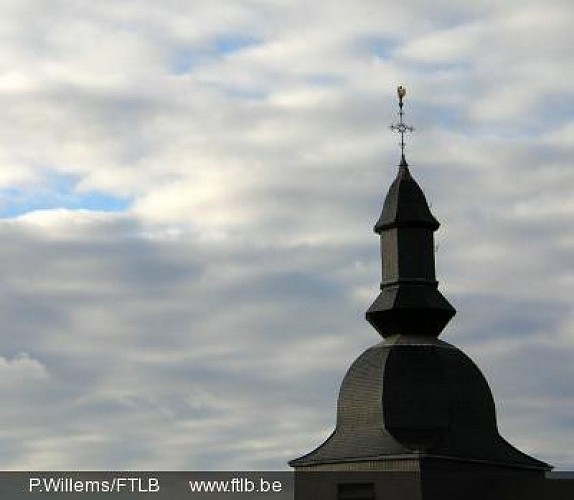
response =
{"points": [[409, 302], [414, 402]]}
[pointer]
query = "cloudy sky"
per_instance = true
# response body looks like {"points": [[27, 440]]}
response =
{"points": [[187, 195]]}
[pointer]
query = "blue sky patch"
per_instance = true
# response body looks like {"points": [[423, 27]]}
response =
{"points": [[382, 47], [233, 43], [58, 192], [186, 59]]}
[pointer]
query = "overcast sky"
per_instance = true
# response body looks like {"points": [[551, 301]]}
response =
{"points": [[187, 195]]}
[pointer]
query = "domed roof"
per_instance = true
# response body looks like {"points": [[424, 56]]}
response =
{"points": [[416, 395]]}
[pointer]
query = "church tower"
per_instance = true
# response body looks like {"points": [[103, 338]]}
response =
{"points": [[413, 403]]}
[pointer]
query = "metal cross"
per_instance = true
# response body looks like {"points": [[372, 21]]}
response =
{"points": [[400, 127]]}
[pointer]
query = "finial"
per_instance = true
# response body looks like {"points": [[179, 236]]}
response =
{"points": [[400, 127]]}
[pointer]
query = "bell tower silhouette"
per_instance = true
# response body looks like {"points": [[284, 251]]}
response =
{"points": [[414, 403]]}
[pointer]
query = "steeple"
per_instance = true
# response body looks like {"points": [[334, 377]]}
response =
{"points": [[413, 400], [409, 302]]}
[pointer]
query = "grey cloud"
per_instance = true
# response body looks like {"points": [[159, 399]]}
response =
{"points": [[122, 359]]}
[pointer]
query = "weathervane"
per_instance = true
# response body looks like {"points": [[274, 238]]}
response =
{"points": [[400, 127]]}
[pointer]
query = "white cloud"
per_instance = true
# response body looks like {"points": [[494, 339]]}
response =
{"points": [[21, 369]]}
